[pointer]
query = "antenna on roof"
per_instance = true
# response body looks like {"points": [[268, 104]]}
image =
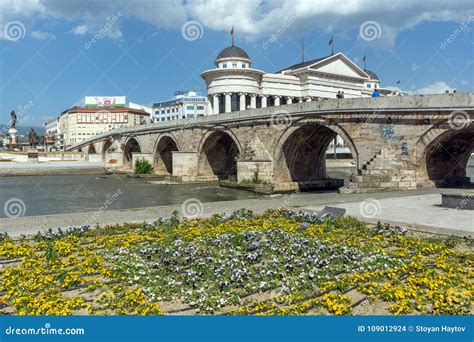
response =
{"points": [[302, 50], [232, 34]]}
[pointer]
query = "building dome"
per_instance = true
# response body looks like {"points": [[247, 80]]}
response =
{"points": [[372, 75], [232, 52]]}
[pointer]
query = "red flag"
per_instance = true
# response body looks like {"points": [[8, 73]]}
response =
{"points": [[331, 40]]}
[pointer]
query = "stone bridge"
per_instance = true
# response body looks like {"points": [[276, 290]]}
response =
{"points": [[397, 143]]}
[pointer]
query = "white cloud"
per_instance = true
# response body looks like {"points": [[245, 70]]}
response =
{"points": [[434, 88], [42, 35], [79, 30], [251, 18]]}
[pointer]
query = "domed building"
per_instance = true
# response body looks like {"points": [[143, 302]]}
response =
{"points": [[234, 85]]}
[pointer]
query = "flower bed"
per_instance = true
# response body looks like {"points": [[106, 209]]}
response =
{"points": [[278, 263]]}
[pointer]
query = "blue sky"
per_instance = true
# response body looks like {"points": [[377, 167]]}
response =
{"points": [[51, 61]]}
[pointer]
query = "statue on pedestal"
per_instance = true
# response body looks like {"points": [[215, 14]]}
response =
{"points": [[13, 119], [33, 138], [12, 132]]}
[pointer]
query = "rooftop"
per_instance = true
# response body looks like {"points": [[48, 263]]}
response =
{"points": [[233, 51], [107, 109]]}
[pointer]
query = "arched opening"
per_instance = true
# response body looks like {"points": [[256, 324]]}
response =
{"points": [[131, 146], [217, 157], [164, 155], [302, 159], [448, 156], [107, 144], [92, 149]]}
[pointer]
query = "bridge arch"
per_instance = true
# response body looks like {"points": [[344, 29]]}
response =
{"points": [[217, 154], [443, 154], [131, 145], [91, 149], [300, 153], [105, 146], [163, 149]]}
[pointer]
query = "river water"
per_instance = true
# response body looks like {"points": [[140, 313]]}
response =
{"points": [[80, 193], [44, 195]]}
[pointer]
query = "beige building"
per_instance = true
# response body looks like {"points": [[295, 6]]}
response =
{"points": [[79, 123]]}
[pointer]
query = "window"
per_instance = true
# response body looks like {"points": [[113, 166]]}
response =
{"points": [[224, 66], [234, 65], [190, 107], [244, 65], [368, 85], [200, 107], [168, 111]]}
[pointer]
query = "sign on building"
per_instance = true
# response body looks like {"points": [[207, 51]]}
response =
{"points": [[105, 101]]}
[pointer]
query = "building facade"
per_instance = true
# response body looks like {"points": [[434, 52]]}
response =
{"points": [[186, 105], [80, 123], [234, 85], [53, 138]]}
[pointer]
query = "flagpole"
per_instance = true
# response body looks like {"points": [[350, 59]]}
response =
{"points": [[302, 50]]}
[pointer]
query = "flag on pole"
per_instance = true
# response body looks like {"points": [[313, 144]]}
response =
{"points": [[363, 59], [232, 34], [398, 82], [331, 41]]}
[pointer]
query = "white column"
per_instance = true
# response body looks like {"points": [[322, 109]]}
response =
{"points": [[227, 102], [289, 100], [277, 101], [264, 101], [242, 101], [215, 104], [308, 99], [300, 100], [253, 101]]}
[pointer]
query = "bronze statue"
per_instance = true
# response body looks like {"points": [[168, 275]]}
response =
{"points": [[33, 138], [13, 119]]}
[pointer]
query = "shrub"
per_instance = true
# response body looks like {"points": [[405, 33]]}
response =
{"points": [[143, 166]]}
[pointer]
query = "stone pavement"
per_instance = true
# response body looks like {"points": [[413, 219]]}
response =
{"points": [[421, 212], [416, 210]]}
